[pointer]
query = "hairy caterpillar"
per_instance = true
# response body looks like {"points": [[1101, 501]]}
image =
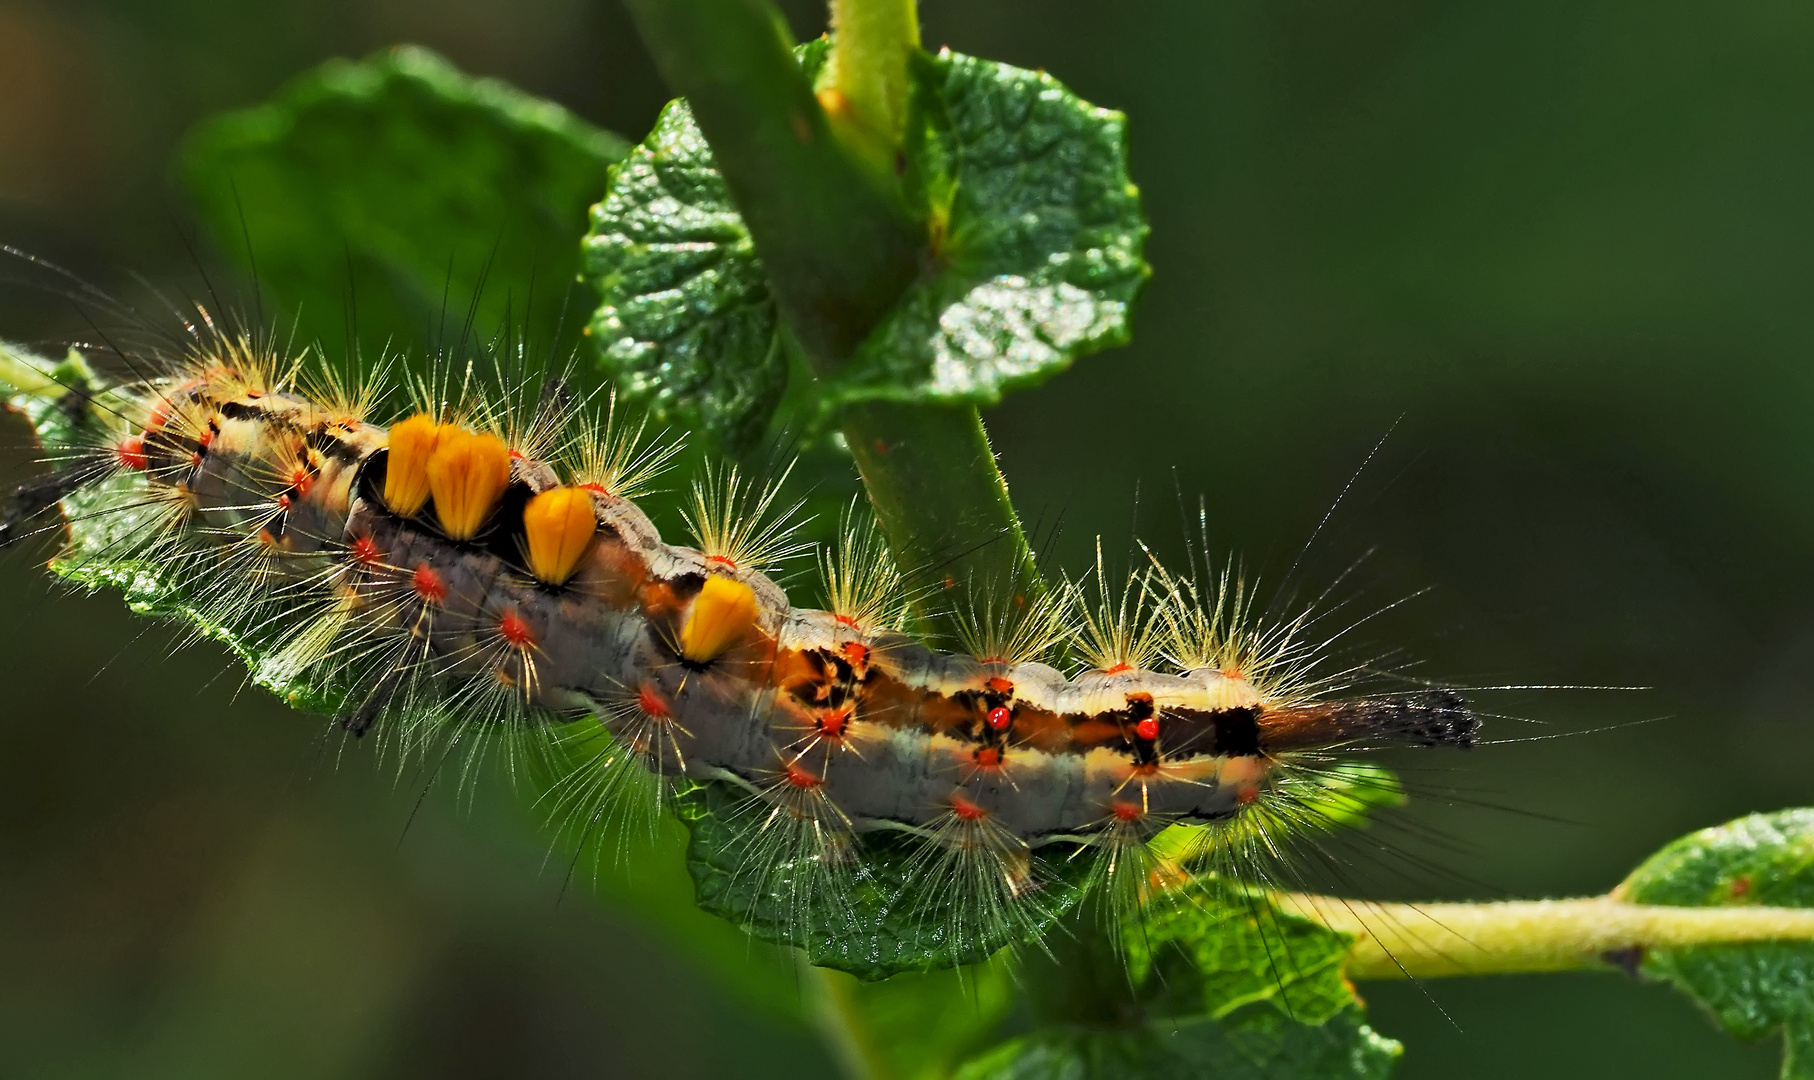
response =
{"points": [[476, 573]]}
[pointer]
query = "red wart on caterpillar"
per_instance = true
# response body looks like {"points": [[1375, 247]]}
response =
{"points": [[433, 569]]}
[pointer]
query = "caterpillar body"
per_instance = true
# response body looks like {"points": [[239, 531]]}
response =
{"points": [[453, 580]]}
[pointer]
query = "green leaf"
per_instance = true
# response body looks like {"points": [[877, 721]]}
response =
{"points": [[399, 191], [1229, 986], [687, 326], [1226, 985], [1752, 990], [1216, 947], [1257, 1043], [922, 1026], [1037, 237], [880, 916], [1346, 794]]}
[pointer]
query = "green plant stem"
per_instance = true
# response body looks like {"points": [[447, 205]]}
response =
{"points": [[1798, 1051], [840, 248], [1082, 978], [835, 1011], [1395, 941], [930, 473], [942, 504], [875, 41], [840, 251]]}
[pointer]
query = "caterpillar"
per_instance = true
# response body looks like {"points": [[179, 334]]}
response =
{"points": [[477, 571]]}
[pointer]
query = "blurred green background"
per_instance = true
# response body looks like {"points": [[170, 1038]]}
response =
{"points": [[1562, 252]]}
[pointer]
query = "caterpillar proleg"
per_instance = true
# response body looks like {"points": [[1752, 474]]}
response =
{"points": [[461, 576]]}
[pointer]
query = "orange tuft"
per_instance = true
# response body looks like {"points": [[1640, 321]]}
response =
{"points": [[722, 613], [1126, 811], [856, 654], [412, 442], [467, 474], [799, 776], [987, 757], [558, 525]]}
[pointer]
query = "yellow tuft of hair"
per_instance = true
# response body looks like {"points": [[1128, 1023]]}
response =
{"points": [[467, 475], [412, 442], [722, 613], [558, 525]]}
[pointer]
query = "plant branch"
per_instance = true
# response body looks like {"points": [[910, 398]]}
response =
{"points": [[930, 472], [1798, 1051], [942, 504], [836, 1013], [1080, 978], [875, 41], [1395, 941], [840, 247]]}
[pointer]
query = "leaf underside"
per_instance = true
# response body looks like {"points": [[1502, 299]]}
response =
{"points": [[883, 915]]}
